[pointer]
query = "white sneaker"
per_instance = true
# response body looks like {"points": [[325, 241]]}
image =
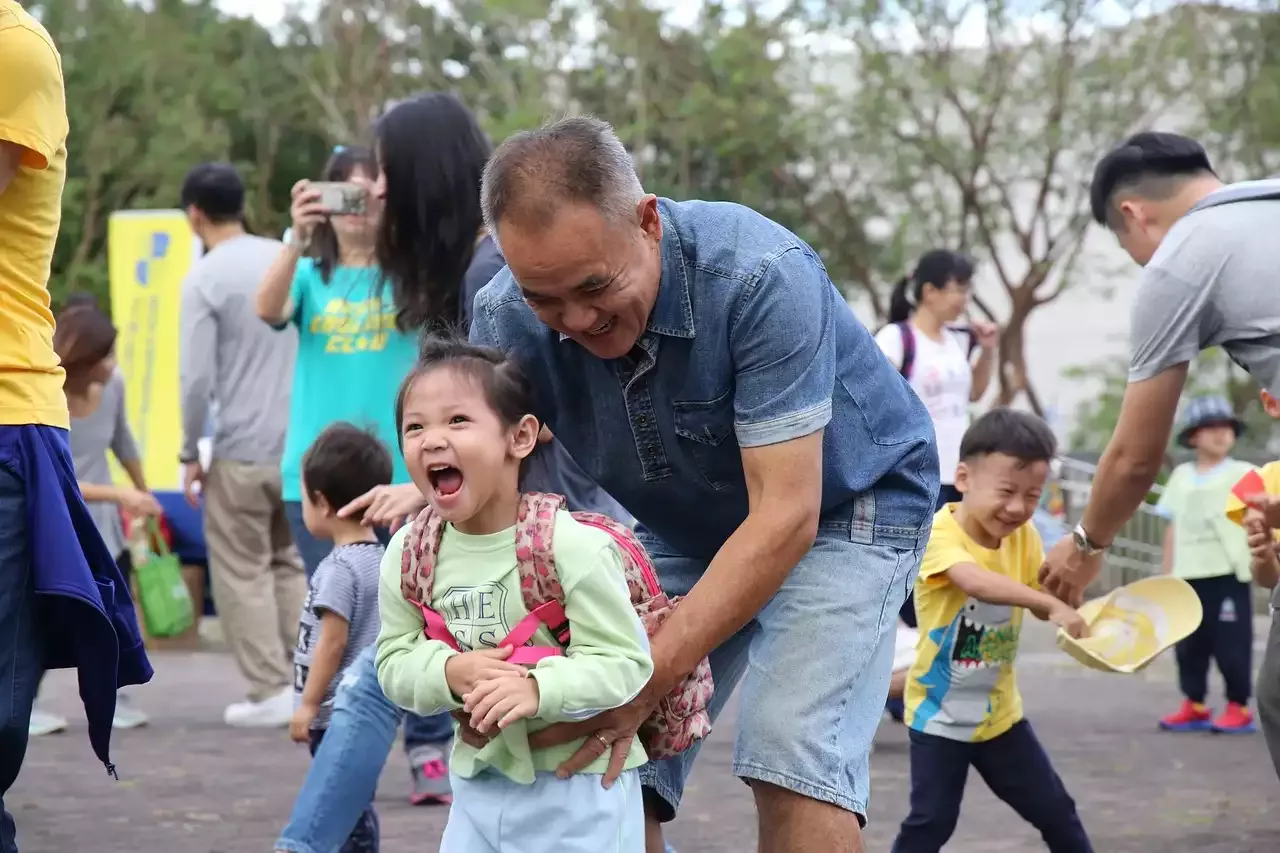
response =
{"points": [[127, 716], [273, 712], [45, 723]]}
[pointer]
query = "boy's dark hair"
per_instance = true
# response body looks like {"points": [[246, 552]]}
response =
{"points": [[1012, 433], [1151, 165], [215, 189], [343, 463], [505, 386]]}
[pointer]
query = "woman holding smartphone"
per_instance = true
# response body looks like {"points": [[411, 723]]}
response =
{"points": [[351, 358]]}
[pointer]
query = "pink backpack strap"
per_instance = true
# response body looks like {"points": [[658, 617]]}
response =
{"points": [[417, 572], [536, 562]]}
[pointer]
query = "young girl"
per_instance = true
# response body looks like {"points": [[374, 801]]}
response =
{"points": [[466, 429]]}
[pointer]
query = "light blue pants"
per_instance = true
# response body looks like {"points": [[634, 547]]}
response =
{"points": [[492, 814]]}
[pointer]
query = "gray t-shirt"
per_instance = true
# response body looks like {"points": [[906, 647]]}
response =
{"points": [[105, 428], [345, 583], [229, 355], [1213, 282]]}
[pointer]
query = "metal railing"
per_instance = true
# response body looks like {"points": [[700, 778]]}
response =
{"points": [[1139, 546]]}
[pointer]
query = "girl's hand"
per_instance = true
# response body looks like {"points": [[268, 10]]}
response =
{"points": [[462, 672], [501, 701], [985, 333], [306, 210]]}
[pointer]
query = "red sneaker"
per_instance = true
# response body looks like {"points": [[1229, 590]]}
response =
{"points": [[1190, 717], [1235, 720]]}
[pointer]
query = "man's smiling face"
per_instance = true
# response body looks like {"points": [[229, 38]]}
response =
{"points": [[591, 279]]}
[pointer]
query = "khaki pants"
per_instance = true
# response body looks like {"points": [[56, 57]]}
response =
{"points": [[255, 573]]}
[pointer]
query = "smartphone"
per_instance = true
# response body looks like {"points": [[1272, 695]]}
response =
{"points": [[341, 199]]}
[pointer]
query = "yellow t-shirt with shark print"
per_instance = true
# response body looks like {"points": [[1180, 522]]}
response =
{"points": [[961, 685]]}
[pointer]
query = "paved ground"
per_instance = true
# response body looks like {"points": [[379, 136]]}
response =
{"points": [[188, 785]]}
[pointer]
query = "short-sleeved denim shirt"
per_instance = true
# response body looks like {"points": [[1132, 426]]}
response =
{"points": [[748, 344]]}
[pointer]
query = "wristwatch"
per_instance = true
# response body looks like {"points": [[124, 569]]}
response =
{"points": [[1084, 544], [187, 459]]}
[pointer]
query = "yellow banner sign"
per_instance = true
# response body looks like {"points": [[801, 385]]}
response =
{"points": [[149, 253]]}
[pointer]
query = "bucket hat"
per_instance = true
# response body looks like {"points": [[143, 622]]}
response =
{"points": [[1206, 411]]}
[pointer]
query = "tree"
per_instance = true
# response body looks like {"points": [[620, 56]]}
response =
{"points": [[976, 126], [1211, 373]]}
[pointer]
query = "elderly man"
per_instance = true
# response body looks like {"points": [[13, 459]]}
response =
{"points": [[698, 363], [1209, 257]]}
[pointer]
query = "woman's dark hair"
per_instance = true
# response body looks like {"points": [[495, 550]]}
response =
{"points": [[505, 386], [83, 337], [935, 269], [324, 241], [432, 152]]}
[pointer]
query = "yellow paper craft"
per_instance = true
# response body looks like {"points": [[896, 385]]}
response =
{"points": [[1130, 626]]}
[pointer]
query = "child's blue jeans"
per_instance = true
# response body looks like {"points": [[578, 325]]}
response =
{"points": [[1015, 768]]}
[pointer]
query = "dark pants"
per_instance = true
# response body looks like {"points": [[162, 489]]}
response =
{"points": [[946, 494], [418, 731], [1225, 635], [364, 836], [1269, 692], [20, 656], [1015, 768]]}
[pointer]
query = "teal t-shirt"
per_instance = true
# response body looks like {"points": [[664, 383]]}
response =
{"points": [[351, 360]]}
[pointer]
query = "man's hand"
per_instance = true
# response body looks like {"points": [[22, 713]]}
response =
{"points": [[614, 731], [387, 506], [985, 333], [1069, 619], [1067, 571], [193, 475], [300, 725], [501, 701], [462, 672]]}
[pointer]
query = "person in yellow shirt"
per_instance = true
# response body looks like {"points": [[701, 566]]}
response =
{"points": [[50, 550], [962, 703], [1252, 500]]}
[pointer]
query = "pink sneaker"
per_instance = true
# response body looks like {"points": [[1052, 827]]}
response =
{"points": [[430, 768]]}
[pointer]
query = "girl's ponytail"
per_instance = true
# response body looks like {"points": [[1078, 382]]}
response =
{"points": [[899, 302]]}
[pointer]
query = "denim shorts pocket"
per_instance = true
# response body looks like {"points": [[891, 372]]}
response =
{"points": [[706, 426]]}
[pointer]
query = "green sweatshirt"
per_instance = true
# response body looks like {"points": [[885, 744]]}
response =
{"points": [[477, 591]]}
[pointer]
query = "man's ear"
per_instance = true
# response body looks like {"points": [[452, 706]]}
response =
{"points": [[524, 438]]}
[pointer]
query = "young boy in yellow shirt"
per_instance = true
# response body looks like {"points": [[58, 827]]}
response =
{"points": [[978, 575]]}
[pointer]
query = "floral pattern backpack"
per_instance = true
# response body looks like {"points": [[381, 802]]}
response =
{"points": [[681, 717]]}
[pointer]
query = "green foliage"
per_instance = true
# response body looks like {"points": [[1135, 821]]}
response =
{"points": [[1211, 373]]}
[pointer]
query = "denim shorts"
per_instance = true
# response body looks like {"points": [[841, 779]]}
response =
{"points": [[820, 655]]}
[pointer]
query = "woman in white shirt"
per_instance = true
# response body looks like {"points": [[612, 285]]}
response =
{"points": [[937, 357]]}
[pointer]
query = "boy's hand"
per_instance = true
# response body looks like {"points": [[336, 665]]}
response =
{"points": [[464, 671], [300, 725], [502, 701], [1267, 506], [1259, 533], [1069, 619]]}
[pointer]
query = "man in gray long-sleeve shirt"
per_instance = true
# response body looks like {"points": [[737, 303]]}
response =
{"points": [[232, 357]]}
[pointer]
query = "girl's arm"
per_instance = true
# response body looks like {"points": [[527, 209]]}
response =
{"points": [[982, 370], [410, 666], [274, 302], [607, 663]]}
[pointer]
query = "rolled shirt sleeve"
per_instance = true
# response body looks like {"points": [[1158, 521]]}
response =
{"points": [[783, 353]]}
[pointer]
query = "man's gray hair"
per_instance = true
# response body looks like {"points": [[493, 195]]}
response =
{"points": [[578, 159]]}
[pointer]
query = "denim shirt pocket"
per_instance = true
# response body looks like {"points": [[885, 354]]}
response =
{"points": [[706, 426]]}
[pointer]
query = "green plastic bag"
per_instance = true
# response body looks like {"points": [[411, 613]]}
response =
{"points": [[163, 597]]}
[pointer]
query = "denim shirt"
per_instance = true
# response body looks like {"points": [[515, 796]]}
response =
{"points": [[748, 344]]}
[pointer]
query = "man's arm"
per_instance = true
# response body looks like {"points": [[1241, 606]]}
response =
{"points": [[199, 340], [782, 403], [1134, 455]]}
